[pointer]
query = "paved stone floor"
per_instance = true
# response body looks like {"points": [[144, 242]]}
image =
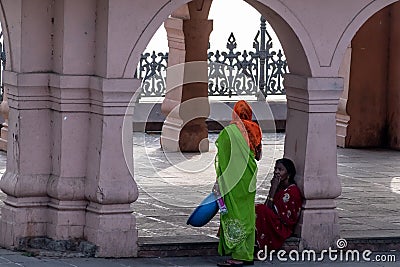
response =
{"points": [[172, 184]]}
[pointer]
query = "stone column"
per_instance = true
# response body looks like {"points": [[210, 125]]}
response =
{"points": [[393, 116], [66, 186], [4, 109], [24, 213], [109, 186], [342, 118], [28, 31], [311, 144], [170, 106], [186, 102], [72, 63]]}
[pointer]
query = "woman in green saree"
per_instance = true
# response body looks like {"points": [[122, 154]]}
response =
{"points": [[239, 146]]}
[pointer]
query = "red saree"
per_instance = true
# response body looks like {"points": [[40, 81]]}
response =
{"points": [[273, 228]]}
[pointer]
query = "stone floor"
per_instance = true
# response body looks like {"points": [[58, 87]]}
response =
{"points": [[172, 184]]}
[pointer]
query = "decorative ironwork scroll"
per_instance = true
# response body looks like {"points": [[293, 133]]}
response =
{"points": [[152, 70], [258, 72]]}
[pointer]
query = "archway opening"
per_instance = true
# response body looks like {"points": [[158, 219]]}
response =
{"points": [[367, 122], [170, 187]]}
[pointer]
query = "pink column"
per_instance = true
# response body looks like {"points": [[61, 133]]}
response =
{"points": [[69, 129], [73, 62], [194, 134], [24, 213], [170, 106], [109, 186], [311, 144], [342, 118], [186, 101]]}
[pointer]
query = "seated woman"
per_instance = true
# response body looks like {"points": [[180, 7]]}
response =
{"points": [[277, 217]]}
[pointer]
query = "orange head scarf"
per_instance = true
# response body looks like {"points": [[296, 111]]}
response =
{"points": [[242, 117]]}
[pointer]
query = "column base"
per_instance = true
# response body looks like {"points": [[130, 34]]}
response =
{"points": [[342, 121], [194, 138], [318, 226], [112, 228], [66, 219], [170, 134], [22, 217]]}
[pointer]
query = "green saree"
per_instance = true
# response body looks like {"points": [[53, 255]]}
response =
{"points": [[236, 170]]}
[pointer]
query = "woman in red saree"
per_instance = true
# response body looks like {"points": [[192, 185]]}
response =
{"points": [[277, 217]]}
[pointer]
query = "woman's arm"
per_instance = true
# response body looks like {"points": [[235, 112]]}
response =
{"points": [[271, 194], [258, 152]]}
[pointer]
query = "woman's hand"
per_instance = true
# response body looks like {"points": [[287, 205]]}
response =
{"points": [[275, 181]]}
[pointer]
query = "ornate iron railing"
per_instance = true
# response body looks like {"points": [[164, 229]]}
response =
{"points": [[152, 70], [258, 72]]}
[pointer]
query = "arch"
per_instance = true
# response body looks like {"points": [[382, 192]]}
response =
{"points": [[156, 21], [294, 51], [367, 12]]}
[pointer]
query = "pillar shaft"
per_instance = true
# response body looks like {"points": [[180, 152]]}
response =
{"points": [[175, 77], [109, 186], [311, 144], [187, 84], [342, 118], [28, 150], [28, 159], [73, 20], [69, 130]]}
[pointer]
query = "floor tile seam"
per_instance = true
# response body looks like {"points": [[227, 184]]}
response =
{"points": [[373, 222], [364, 180], [163, 221], [155, 205]]}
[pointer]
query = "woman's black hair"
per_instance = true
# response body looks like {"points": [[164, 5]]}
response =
{"points": [[290, 168]]}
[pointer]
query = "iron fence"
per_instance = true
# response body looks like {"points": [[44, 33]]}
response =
{"points": [[258, 72]]}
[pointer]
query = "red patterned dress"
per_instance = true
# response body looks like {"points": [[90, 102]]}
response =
{"points": [[274, 227]]}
